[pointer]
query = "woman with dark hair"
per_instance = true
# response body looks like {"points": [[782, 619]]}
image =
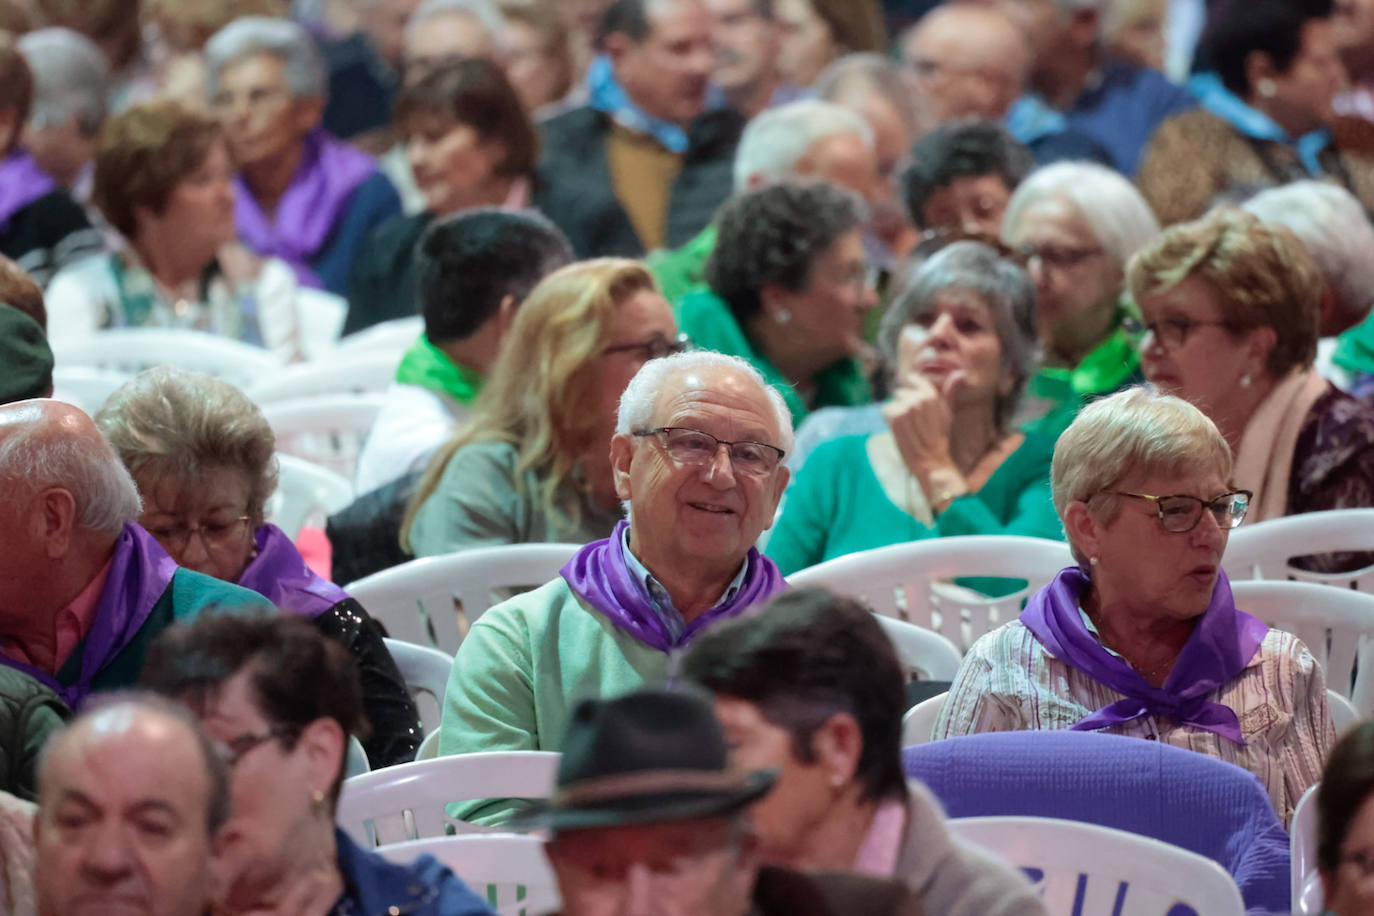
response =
{"points": [[1345, 824], [282, 700], [470, 144], [817, 32], [1266, 112]]}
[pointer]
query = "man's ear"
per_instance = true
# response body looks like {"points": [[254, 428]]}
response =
{"points": [[617, 45], [55, 520], [780, 478], [505, 314], [622, 453], [837, 746]]}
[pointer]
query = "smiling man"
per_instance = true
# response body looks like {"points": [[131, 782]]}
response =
{"points": [[697, 457]]}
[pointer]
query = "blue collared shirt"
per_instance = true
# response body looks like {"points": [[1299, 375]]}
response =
{"points": [[658, 595]]}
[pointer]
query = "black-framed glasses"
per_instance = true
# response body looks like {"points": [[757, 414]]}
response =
{"points": [[1171, 332], [694, 447], [655, 347], [235, 749], [1181, 513]]}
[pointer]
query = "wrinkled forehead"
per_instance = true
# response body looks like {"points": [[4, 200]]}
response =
{"points": [[715, 394], [126, 755]]}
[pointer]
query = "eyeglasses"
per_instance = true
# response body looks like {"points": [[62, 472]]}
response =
{"points": [[655, 347], [258, 98], [235, 749], [216, 536], [1179, 514], [932, 240], [1171, 332], [696, 448], [1059, 257]]}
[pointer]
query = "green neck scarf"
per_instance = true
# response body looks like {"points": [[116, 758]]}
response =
{"points": [[429, 367]]}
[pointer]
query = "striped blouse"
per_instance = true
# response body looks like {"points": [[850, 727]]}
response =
{"points": [[1009, 682]]}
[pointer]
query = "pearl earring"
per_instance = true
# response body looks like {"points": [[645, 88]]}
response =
{"points": [[1092, 561], [783, 316], [1245, 380], [1266, 88]]}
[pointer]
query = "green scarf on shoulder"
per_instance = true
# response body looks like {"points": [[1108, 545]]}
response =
{"points": [[429, 367]]}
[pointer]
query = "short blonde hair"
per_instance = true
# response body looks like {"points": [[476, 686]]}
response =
{"points": [[1262, 276], [1137, 431]]}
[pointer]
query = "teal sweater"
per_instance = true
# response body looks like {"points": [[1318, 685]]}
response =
{"points": [[837, 506]]}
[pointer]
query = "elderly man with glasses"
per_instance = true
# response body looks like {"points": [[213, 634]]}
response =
{"points": [[697, 457]]}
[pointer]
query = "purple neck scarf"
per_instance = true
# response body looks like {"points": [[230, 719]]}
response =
{"points": [[599, 576], [280, 575], [329, 173], [140, 572], [21, 183], [1220, 647]]}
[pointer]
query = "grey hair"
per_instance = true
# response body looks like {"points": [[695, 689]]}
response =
{"points": [[1332, 225], [105, 495], [640, 396], [775, 140], [69, 77], [1137, 431], [1005, 288], [872, 72], [1115, 213], [250, 36], [484, 11], [174, 422]]}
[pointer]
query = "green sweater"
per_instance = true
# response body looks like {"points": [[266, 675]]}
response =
{"points": [[705, 318], [837, 506], [681, 270]]}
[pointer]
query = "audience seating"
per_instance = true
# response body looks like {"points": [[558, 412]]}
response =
{"points": [[88, 387], [1306, 882], [508, 868], [433, 600], [429, 748], [426, 671], [1149, 788], [305, 493], [407, 801], [321, 317], [396, 336], [905, 580], [925, 653], [355, 760], [328, 430], [349, 373], [1336, 624], [1262, 550], [135, 349], [1343, 712], [1086, 868], [919, 720]]}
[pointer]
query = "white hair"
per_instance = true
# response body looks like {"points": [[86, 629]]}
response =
{"points": [[484, 11], [69, 78], [32, 455], [1115, 213], [250, 36], [1331, 224], [775, 140], [640, 397]]}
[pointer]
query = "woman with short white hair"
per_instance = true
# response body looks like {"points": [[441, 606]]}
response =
{"points": [[1142, 637], [302, 195], [1079, 223]]}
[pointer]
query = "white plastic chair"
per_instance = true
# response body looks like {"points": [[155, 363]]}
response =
{"points": [[909, 580], [925, 653], [320, 317], [429, 748], [396, 335], [1082, 868], [426, 671], [355, 373], [305, 492], [1306, 883], [135, 349], [355, 760], [87, 387], [433, 600], [1262, 550], [328, 430], [1343, 712], [407, 801], [1336, 624], [919, 720], [509, 869]]}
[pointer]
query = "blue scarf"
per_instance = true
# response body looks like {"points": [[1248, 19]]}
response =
{"points": [[607, 95], [1255, 124]]}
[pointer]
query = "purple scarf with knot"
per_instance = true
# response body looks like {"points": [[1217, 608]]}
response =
{"points": [[21, 183], [1219, 649], [329, 172], [140, 572], [599, 575], [280, 575]]}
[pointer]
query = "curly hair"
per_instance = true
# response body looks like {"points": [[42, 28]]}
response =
{"points": [[774, 235], [957, 149]]}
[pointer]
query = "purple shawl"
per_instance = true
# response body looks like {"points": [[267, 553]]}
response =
{"points": [[1220, 647], [329, 173], [140, 572], [280, 575], [599, 576], [21, 183]]}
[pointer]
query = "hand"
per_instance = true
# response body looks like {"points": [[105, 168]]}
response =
{"points": [[920, 418]]}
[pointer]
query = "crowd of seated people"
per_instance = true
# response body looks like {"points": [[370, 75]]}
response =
{"points": [[713, 292]]}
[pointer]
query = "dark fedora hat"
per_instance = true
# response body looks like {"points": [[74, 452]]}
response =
{"points": [[647, 756]]}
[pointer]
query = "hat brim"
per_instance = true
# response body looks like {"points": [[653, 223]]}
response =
{"points": [[645, 809]]}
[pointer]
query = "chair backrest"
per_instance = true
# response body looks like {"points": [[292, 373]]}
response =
{"points": [[1308, 895], [88, 387], [305, 492], [1343, 712], [396, 335], [319, 318], [433, 600], [910, 581], [1337, 625], [328, 430], [1262, 550], [923, 652], [919, 720], [508, 868], [351, 373], [135, 349], [355, 760], [426, 672], [1086, 868], [429, 748], [407, 801]]}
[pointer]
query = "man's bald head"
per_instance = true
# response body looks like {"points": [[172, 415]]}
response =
{"points": [[969, 60]]}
